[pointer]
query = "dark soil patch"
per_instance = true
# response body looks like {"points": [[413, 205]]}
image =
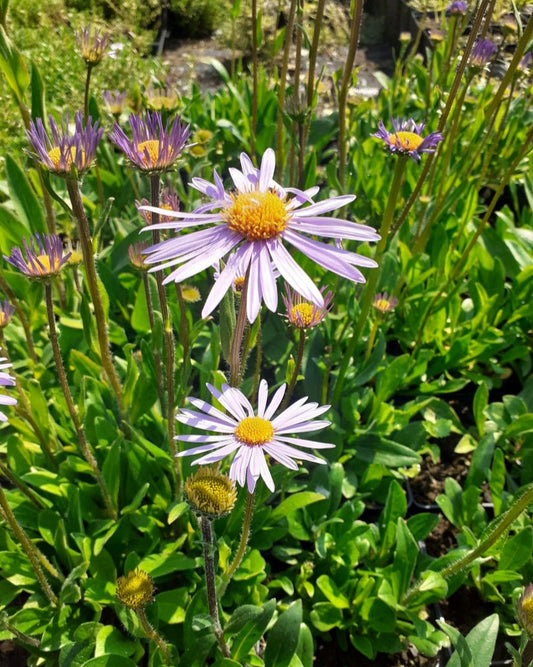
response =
{"points": [[12, 655], [429, 483], [330, 655], [442, 539]]}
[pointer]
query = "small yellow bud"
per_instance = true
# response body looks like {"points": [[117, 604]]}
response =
{"points": [[210, 493], [135, 590]]}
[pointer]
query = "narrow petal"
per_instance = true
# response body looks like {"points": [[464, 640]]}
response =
{"points": [[226, 278], [305, 427], [295, 453], [301, 442], [275, 402], [266, 172], [201, 262], [255, 295], [334, 229], [274, 451], [211, 410], [262, 396], [264, 470], [218, 454], [331, 204], [228, 400], [293, 273], [268, 280]]}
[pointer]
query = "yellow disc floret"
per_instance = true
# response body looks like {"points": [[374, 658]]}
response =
{"points": [[407, 141], [135, 590], [43, 265], [151, 147], [257, 216], [254, 431], [304, 315], [210, 492], [55, 157]]}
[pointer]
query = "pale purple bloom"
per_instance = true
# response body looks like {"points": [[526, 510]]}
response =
{"points": [[406, 138], [252, 435], [240, 274], [384, 303], [154, 146], [482, 52], [457, 7], [525, 63], [6, 381], [92, 44], [115, 101], [42, 258], [302, 314], [169, 200], [256, 218], [6, 313], [60, 150]]}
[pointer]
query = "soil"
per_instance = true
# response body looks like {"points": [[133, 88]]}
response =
{"points": [[12, 655], [330, 654], [429, 483]]}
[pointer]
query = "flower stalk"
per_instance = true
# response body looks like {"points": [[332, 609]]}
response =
{"points": [[236, 343], [87, 453], [152, 634], [245, 535], [297, 366]]}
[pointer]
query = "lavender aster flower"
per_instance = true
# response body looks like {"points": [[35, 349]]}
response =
{"points": [[6, 313], [256, 218], [406, 138], [92, 44], [482, 52], [6, 381], [115, 101], [169, 200], [43, 257], [302, 314], [60, 151], [154, 147], [457, 7], [252, 435], [384, 303]]}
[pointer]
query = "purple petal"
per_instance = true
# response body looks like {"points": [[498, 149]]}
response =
{"points": [[293, 273], [275, 402], [331, 204]]}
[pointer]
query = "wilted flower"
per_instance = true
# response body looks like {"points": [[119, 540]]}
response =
{"points": [[436, 35], [5, 381], [63, 151], [43, 257], [154, 147], [137, 257], [190, 293], [384, 303], [135, 590], [406, 138], [6, 313], [482, 52], [159, 99], [115, 101], [72, 248], [524, 610], [258, 216], [210, 493], [457, 7], [303, 314], [92, 44], [250, 435], [169, 201]]}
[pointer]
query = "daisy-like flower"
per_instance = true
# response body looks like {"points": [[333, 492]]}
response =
{"points": [[60, 151], [482, 52], [524, 609], [42, 258], [406, 138], [92, 44], [5, 381], [154, 147], [115, 101], [252, 435], [6, 313], [210, 493], [136, 254], [169, 201], [258, 217], [301, 313], [384, 303], [457, 7]]}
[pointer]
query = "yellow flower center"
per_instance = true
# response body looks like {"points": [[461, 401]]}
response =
{"points": [[238, 283], [135, 590], [383, 305], [75, 257], [152, 147], [3, 319], [408, 141], [190, 293], [304, 314], [44, 267], [257, 216], [55, 156], [254, 431], [210, 492]]}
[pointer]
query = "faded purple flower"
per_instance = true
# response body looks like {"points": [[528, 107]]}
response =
{"points": [[257, 217], [301, 313], [482, 52], [524, 610], [169, 201], [92, 44], [384, 303], [252, 435], [5, 381], [6, 313], [457, 7], [154, 147], [115, 101], [42, 258], [60, 151], [406, 138]]}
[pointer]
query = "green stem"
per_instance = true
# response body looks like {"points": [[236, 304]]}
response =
{"points": [[151, 633], [185, 344], [255, 74], [281, 86], [345, 85], [94, 289], [371, 338], [236, 343], [245, 534], [157, 356], [22, 315], [29, 548], [14, 481], [21, 637], [502, 526], [168, 337], [370, 287], [86, 94], [212, 600], [296, 371], [84, 445]]}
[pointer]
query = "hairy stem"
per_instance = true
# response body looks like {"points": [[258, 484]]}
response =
{"points": [[154, 636], [236, 343], [296, 371], [245, 534]]}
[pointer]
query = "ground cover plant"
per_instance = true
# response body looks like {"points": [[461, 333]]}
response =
{"points": [[266, 365]]}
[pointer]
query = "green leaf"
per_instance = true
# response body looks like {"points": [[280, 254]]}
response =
{"points": [[24, 199], [159, 564], [305, 650], [332, 593], [38, 109], [295, 502], [517, 550], [282, 640], [481, 400], [13, 66], [372, 448], [252, 630], [478, 647], [171, 605], [111, 640], [405, 557], [110, 660]]}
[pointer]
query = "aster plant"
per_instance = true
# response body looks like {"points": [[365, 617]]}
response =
{"points": [[406, 138]]}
